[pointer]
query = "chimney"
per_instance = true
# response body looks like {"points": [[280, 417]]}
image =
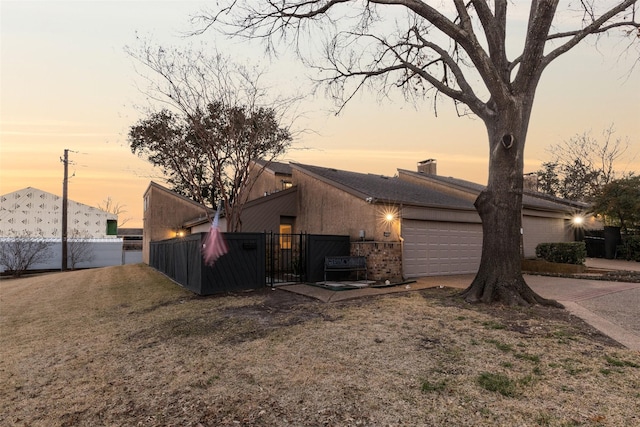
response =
{"points": [[427, 167], [531, 181]]}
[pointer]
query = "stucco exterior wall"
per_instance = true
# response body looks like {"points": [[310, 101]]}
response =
{"points": [[551, 228], [266, 182], [325, 209], [164, 214], [265, 214]]}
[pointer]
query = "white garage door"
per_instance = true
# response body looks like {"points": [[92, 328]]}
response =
{"points": [[434, 248], [542, 230]]}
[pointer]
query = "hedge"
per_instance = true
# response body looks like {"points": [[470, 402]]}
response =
{"points": [[564, 252]]}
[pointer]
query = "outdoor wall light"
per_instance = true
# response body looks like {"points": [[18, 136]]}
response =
{"points": [[578, 220], [180, 233], [389, 217]]}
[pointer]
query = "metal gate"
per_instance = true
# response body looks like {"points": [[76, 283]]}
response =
{"points": [[285, 258], [299, 258]]}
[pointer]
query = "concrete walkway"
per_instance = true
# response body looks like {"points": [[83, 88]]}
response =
{"points": [[611, 307]]}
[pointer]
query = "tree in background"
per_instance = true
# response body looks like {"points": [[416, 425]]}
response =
{"points": [[108, 205], [79, 248], [619, 203], [215, 122], [458, 51], [18, 253], [581, 165]]}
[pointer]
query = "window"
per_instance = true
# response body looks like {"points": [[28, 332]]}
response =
{"points": [[285, 236]]}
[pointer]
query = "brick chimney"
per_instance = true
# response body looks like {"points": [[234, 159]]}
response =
{"points": [[427, 167]]}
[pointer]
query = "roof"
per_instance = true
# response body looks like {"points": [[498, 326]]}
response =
{"points": [[129, 231], [201, 219], [277, 168], [378, 188], [27, 193], [530, 199], [178, 195]]}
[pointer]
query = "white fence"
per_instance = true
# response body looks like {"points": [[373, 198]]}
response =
{"points": [[104, 253]]}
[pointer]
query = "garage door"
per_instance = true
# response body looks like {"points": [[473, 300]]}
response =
{"points": [[542, 230], [434, 248]]}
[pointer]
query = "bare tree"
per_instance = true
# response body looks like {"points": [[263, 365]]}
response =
{"points": [[19, 252], [108, 205], [79, 248], [581, 165], [459, 51], [215, 122]]}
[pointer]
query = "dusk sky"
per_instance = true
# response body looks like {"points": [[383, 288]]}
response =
{"points": [[67, 83]]}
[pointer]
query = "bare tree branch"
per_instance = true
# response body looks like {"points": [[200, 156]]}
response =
{"points": [[215, 121]]}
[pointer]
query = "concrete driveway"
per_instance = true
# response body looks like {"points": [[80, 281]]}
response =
{"points": [[611, 307]]}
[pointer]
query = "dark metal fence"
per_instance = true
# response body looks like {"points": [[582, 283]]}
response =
{"points": [[320, 247], [253, 261], [286, 258], [241, 268], [295, 258]]}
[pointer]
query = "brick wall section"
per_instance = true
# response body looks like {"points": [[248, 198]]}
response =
{"points": [[384, 259]]}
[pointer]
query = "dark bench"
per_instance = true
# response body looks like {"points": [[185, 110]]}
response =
{"points": [[345, 263]]}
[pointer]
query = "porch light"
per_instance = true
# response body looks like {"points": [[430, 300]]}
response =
{"points": [[389, 217], [577, 220]]}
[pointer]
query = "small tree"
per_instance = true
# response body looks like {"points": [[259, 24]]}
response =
{"points": [[619, 203], [18, 253], [581, 165], [214, 124], [79, 249]]}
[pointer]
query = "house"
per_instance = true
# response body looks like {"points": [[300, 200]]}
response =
{"points": [[414, 224], [37, 213], [268, 178], [167, 214]]}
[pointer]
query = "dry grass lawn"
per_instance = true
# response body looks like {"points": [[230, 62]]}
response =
{"points": [[124, 346]]}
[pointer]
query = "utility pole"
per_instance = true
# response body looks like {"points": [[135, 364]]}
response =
{"points": [[65, 184]]}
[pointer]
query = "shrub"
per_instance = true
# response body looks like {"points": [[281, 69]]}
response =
{"points": [[630, 248], [563, 252]]}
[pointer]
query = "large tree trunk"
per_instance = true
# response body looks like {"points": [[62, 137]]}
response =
{"points": [[499, 278]]}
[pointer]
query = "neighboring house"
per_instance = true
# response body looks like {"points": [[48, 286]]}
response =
{"points": [[415, 224], [34, 212]]}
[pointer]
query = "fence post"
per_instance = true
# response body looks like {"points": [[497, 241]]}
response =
{"points": [[272, 259]]}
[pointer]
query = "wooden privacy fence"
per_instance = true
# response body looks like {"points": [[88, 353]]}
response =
{"points": [[254, 260]]}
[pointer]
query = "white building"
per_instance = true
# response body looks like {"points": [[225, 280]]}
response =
{"points": [[37, 212]]}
